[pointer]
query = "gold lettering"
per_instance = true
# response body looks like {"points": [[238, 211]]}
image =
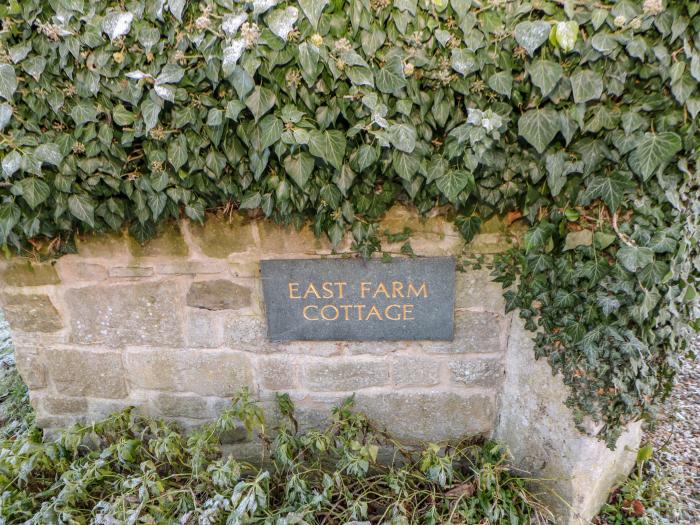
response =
{"points": [[311, 289], [381, 289], [423, 289], [327, 290], [323, 314], [294, 289], [359, 307], [396, 289], [345, 308], [341, 285], [374, 311], [306, 308], [408, 309], [388, 315], [364, 288]]}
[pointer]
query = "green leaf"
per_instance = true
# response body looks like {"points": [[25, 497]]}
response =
{"points": [[260, 101], [464, 61], [83, 113], [501, 83], [8, 81], [531, 35], [538, 236], [177, 152], [468, 227], [402, 137], [453, 182], [344, 179], [539, 127], [313, 9], [49, 153], [299, 167], [82, 207], [328, 145], [390, 78], [545, 74], [251, 200], [9, 217], [653, 151], [34, 191], [150, 111], [122, 116], [586, 85], [610, 189], [634, 258]]}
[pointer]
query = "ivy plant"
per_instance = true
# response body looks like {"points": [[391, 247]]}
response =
{"points": [[581, 117]]}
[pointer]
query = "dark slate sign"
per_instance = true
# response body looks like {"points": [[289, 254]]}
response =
{"points": [[356, 300]]}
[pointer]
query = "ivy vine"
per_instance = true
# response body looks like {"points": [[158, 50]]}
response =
{"points": [[580, 117]]}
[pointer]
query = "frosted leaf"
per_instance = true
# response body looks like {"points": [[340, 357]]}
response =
{"points": [[5, 115], [170, 74], [231, 55], [474, 116], [443, 36], [117, 24], [567, 33], [138, 75], [19, 52], [231, 23], [531, 35], [11, 163], [464, 61], [261, 6], [281, 21], [165, 92]]}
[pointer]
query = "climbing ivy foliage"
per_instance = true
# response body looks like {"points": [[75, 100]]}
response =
{"points": [[579, 117]]}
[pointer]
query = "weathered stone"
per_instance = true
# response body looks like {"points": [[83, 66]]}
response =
{"points": [[61, 405], [130, 314], [101, 408], [477, 372], [220, 237], [30, 313], [86, 373], [218, 295], [277, 373], [539, 430], [489, 243], [131, 271], [30, 366], [243, 329], [191, 267], [167, 243], [333, 375], [72, 270], [415, 371], [378, 347], [172, 405], [475, 332], [209, 373], [245, 269], [23, 272], [475, 290], [432, 415], [204, 329], [107, 245], [276, 239]]}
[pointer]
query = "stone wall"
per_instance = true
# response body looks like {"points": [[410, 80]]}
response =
{"points": [[176, 327]]}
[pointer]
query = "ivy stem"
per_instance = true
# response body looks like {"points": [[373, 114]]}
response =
{"points": [[624, 238]]}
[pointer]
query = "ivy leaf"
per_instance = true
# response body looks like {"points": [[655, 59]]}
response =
{"points": [[328, 145], [251, 200], [578, 238], [344, 179], [586, 85], [49, 153], [177, 152], [501, 83], [82, 207], [157, 202], [634, 258], [390, 78], [9, 217], [117, 24], [150, 111], [402, 137], [531, 35], [299, 167], [545, 74], [610, 189], [654, 150], [539, 127], [260, 101], [83, 113], [313, 9], [8, 81], [468, 227], [34, 191], [464, 61], [122, 116], [537, 236], [453, 182]]}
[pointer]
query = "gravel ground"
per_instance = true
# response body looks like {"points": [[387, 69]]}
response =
{"points": [[676, 439]]}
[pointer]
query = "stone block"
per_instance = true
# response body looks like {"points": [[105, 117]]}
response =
{"points": [[415, 371], [218, 294], [284, 240], [575, 471], [110, 246], [245, 329], [337, 375], [208, 373], [377, 347], [23, 272], [126, 314], [178, 405], [93, 373], [204, 329], [489, 243], [168, 242], [71, 270], [220, 237], [57, 405], [277, 373], [102, 408], [31, 313], [245, 269], [475, 332], [191, 267], [431, 415], [30, 366], [131, 271], [475, 290], [477, 372]]}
